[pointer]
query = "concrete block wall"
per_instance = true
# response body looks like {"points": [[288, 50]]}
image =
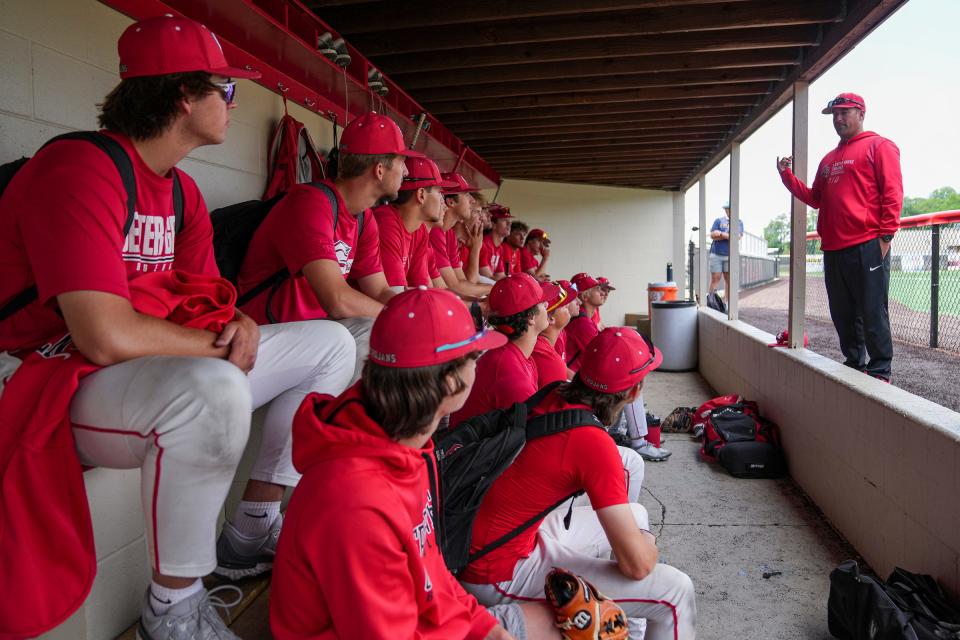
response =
{"points": [[881, 463], [614, 232], [59, 61]]}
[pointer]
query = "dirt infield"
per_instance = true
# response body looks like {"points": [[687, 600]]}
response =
{"points": [[928, 373]]}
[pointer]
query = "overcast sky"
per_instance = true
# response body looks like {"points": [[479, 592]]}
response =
{"points": [[907, 72]]}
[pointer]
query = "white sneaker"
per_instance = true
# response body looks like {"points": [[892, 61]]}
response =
{"points": [[239, 558], [649, 452], [195, 618]]}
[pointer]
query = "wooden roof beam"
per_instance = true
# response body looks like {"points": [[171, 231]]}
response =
{"points": [[589, 161], [434, 13], [586, 127], [755, 89], [606, 83], [783, 57], [668, 142], [536, 126], [643, 22], [610, 47], [657, 151], [587, 137]]}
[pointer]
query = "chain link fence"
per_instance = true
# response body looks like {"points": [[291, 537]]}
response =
{"points": [[924, 295]]}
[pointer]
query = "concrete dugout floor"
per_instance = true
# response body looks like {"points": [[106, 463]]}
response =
{"points": [[725, 533]]}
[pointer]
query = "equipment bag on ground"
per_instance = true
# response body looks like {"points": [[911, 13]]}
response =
{"points": [[907, 606], [745, 443]]}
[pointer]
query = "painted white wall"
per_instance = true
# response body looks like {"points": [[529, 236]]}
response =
{"points": [[622, 234], [881, 463]]}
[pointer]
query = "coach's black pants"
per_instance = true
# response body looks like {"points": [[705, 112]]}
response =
{"points": [[857, 280]]}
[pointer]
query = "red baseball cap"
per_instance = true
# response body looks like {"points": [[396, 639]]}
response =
{"points": [[422, 172], [846, 101], [568, 286], [459, 184], [373, 134], [559, 295], [603, 282], [537, 234], [169, 44], [583, 282], [424, 327], [617, 359], [499, 212], [515, 293]]}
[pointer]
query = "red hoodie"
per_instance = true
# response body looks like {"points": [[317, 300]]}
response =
{"points": [[858, 190], [358, 556]]}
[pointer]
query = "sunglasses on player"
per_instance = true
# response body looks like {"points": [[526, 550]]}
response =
{"points": [[843, 102], [227, 89]]}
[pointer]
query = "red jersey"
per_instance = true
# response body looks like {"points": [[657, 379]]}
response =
{"points": [[492, 255], [596, 317], [511, 258], [550, 366], [446, 249], [61, 228], [404, 256], [504, 376], [560, 346], [858, 190], [528, 261], [547, 470], [580, 332], [299, 230], [364, 509]]}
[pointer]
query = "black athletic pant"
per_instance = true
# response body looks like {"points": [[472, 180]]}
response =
{"points": [[857, 280]]}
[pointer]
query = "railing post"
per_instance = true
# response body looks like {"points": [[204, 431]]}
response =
{"points": [[798, 219], [934, 285], [690, 270]]}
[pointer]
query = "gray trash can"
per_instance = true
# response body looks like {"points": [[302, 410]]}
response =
{"points": [[673, 329]]}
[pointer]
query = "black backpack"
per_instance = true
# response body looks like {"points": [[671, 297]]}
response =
{"points": [[124, 166], [907, 606], [233, 229], [474, 454]]}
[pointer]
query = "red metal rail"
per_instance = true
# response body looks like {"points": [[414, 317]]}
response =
{"points": [[278, 38], [912, 222]]}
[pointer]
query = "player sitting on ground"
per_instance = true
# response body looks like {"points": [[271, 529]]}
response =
{"points": [[359, 556], [613, 526]]}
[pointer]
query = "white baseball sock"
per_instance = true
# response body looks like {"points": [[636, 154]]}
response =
{"points": [[162, 598], [253, 519]]}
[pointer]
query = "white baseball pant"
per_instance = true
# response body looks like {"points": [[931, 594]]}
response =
{"points": [[184, 422], [665, 598], [359, 328], [636, 414]]}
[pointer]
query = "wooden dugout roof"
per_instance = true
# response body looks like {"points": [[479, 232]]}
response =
{"points": [[636, 93]]}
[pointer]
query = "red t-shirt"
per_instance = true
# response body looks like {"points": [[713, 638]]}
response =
{"points": [[528, 261], [550, 366], [561, 345], [547, 470], [446, 248], [504, 376], [580, 332], [404, 256], [61, 228], [596, 317], [492, 255], [299, 230], [511, 258]]}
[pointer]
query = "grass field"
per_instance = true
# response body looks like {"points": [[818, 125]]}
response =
{"points": [[912, 289]]}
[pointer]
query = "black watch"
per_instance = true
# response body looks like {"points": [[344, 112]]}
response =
{"points": [[887, 238]]}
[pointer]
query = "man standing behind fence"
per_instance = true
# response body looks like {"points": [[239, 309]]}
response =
{"points": [[720, 250], [859, 192]]}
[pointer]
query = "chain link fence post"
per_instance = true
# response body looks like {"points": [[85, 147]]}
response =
{"points": [[934, 285]]}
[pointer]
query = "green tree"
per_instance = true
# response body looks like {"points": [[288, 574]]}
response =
{"points": [[942, 199], [777, 233]]}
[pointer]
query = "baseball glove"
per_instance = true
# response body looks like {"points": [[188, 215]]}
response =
{"points": [[680, 420], [582, 612]]}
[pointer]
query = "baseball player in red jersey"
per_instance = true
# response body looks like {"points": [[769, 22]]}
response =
{"points": [[508, 374], [535, 253], [359, 556], [551, 367], [171, 401], [513, 245], [456, 243], [611, 526], [299, 234], [492, 264], [405, 250]]}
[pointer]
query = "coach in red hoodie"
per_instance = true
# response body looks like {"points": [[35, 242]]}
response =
{"points": [[358, 555], [859, 192]]}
